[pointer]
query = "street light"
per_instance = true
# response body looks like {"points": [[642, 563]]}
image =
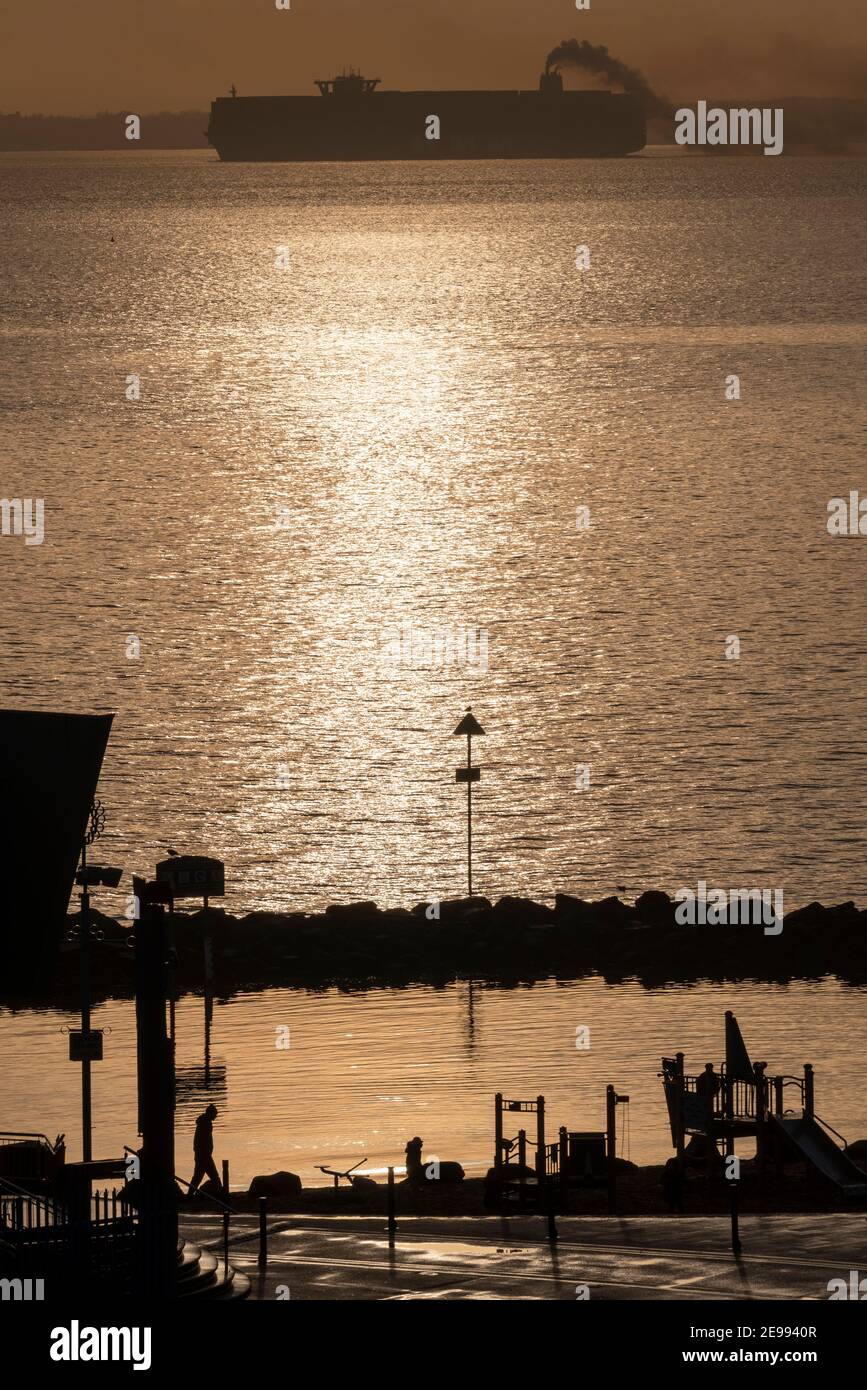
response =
{"points": [[86, 1046]]}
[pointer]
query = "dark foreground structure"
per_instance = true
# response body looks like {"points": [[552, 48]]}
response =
{"points": [[351, 120], [51, 764]]}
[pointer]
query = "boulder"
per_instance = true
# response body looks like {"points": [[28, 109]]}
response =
{"points": [[451, 909], [363, 1184], [613, 913], [844, 914], [447, 1173], [522, 912], [805, 917], [352, 914], [571, 911], [656, 909], [264, 923], [275, 1185]]}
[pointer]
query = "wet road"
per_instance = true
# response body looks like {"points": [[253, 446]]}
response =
{"points": [[785, 1258]]}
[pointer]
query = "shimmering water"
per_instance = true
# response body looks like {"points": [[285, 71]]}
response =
{"points": [[398, 428], [363, 1073], [373, 398]]}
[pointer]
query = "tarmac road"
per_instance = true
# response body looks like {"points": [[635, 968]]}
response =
{"points": [[783, 1257]]}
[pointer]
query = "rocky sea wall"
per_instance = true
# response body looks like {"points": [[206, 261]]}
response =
{"points": [[513, 940]]}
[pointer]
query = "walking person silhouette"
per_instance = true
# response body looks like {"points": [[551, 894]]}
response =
{"points": [[203, 1149]]}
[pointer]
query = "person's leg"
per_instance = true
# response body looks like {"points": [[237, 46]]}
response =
{"points": [[198, 1174], [211, 1170]]}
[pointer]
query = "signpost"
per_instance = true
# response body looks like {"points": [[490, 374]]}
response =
{"points": [[192, 876], [85, 1047], [195, 876], [469, 726]]}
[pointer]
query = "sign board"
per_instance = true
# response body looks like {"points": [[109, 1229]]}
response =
{"points": [[193, 876], [85, 1047], [468, 774]]}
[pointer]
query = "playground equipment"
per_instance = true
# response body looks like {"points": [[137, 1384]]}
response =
{"points": [[740, 1101], [347, 1173], [578, 1158]]}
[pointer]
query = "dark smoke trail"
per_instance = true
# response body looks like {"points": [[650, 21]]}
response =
{"points": [[595, 58]]}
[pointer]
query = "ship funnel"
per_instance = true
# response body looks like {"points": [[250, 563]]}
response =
{"points": [[551, 83]]}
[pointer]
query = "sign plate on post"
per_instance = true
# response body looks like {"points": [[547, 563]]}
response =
{"points": [[468, 774], [192, 876], [85, 1047]]}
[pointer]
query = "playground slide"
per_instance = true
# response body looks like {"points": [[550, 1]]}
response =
{"points": [[818, 1148]]}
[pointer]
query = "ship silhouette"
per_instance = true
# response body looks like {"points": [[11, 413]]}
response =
{"points": [[352, 120]]}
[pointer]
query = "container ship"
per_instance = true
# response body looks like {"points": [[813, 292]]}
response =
{"points": [[351, 120]]}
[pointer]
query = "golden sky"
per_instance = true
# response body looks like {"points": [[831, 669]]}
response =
{"points": [[81, 56]]}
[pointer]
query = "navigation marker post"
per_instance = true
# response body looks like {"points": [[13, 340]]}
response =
{"points": [[469, 726]]}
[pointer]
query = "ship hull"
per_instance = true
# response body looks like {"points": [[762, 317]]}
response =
{"points": [[397, 125]]}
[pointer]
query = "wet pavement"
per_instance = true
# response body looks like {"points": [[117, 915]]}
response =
{"points": [[783, 1257]]}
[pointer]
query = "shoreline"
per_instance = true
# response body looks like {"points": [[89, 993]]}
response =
{"points": [[639, 1193], [513, 941]]}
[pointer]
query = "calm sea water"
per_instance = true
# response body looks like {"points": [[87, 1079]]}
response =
{"points": [[365, 1072], [393, 431], [397, 428]]}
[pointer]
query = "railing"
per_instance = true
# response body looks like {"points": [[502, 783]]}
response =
{"points": [[734, 1098], [780, 1085], [11, 1136], [47, 1236]]}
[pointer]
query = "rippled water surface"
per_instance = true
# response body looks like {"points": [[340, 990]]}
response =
{"points": [[365, 1072], [398, 428]]}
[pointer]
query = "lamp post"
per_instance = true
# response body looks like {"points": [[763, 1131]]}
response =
{"points": [[86, 1046], [469, 726]]}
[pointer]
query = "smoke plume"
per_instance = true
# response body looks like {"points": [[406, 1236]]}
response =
{"points": [[595, 58]]}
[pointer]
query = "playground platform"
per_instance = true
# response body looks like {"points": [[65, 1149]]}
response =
{"points": [[492, 1257]]}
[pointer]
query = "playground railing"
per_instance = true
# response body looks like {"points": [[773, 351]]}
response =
{"points": [[780, 1085], [735, 1098]]}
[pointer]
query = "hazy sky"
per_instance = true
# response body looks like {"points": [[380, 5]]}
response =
{"points": [[80, 56]]}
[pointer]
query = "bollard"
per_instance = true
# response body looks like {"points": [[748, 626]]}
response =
{"points": [[552, 1221], [263, 1231], [226, 1213], [736, 1235], [392, 1224]]}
